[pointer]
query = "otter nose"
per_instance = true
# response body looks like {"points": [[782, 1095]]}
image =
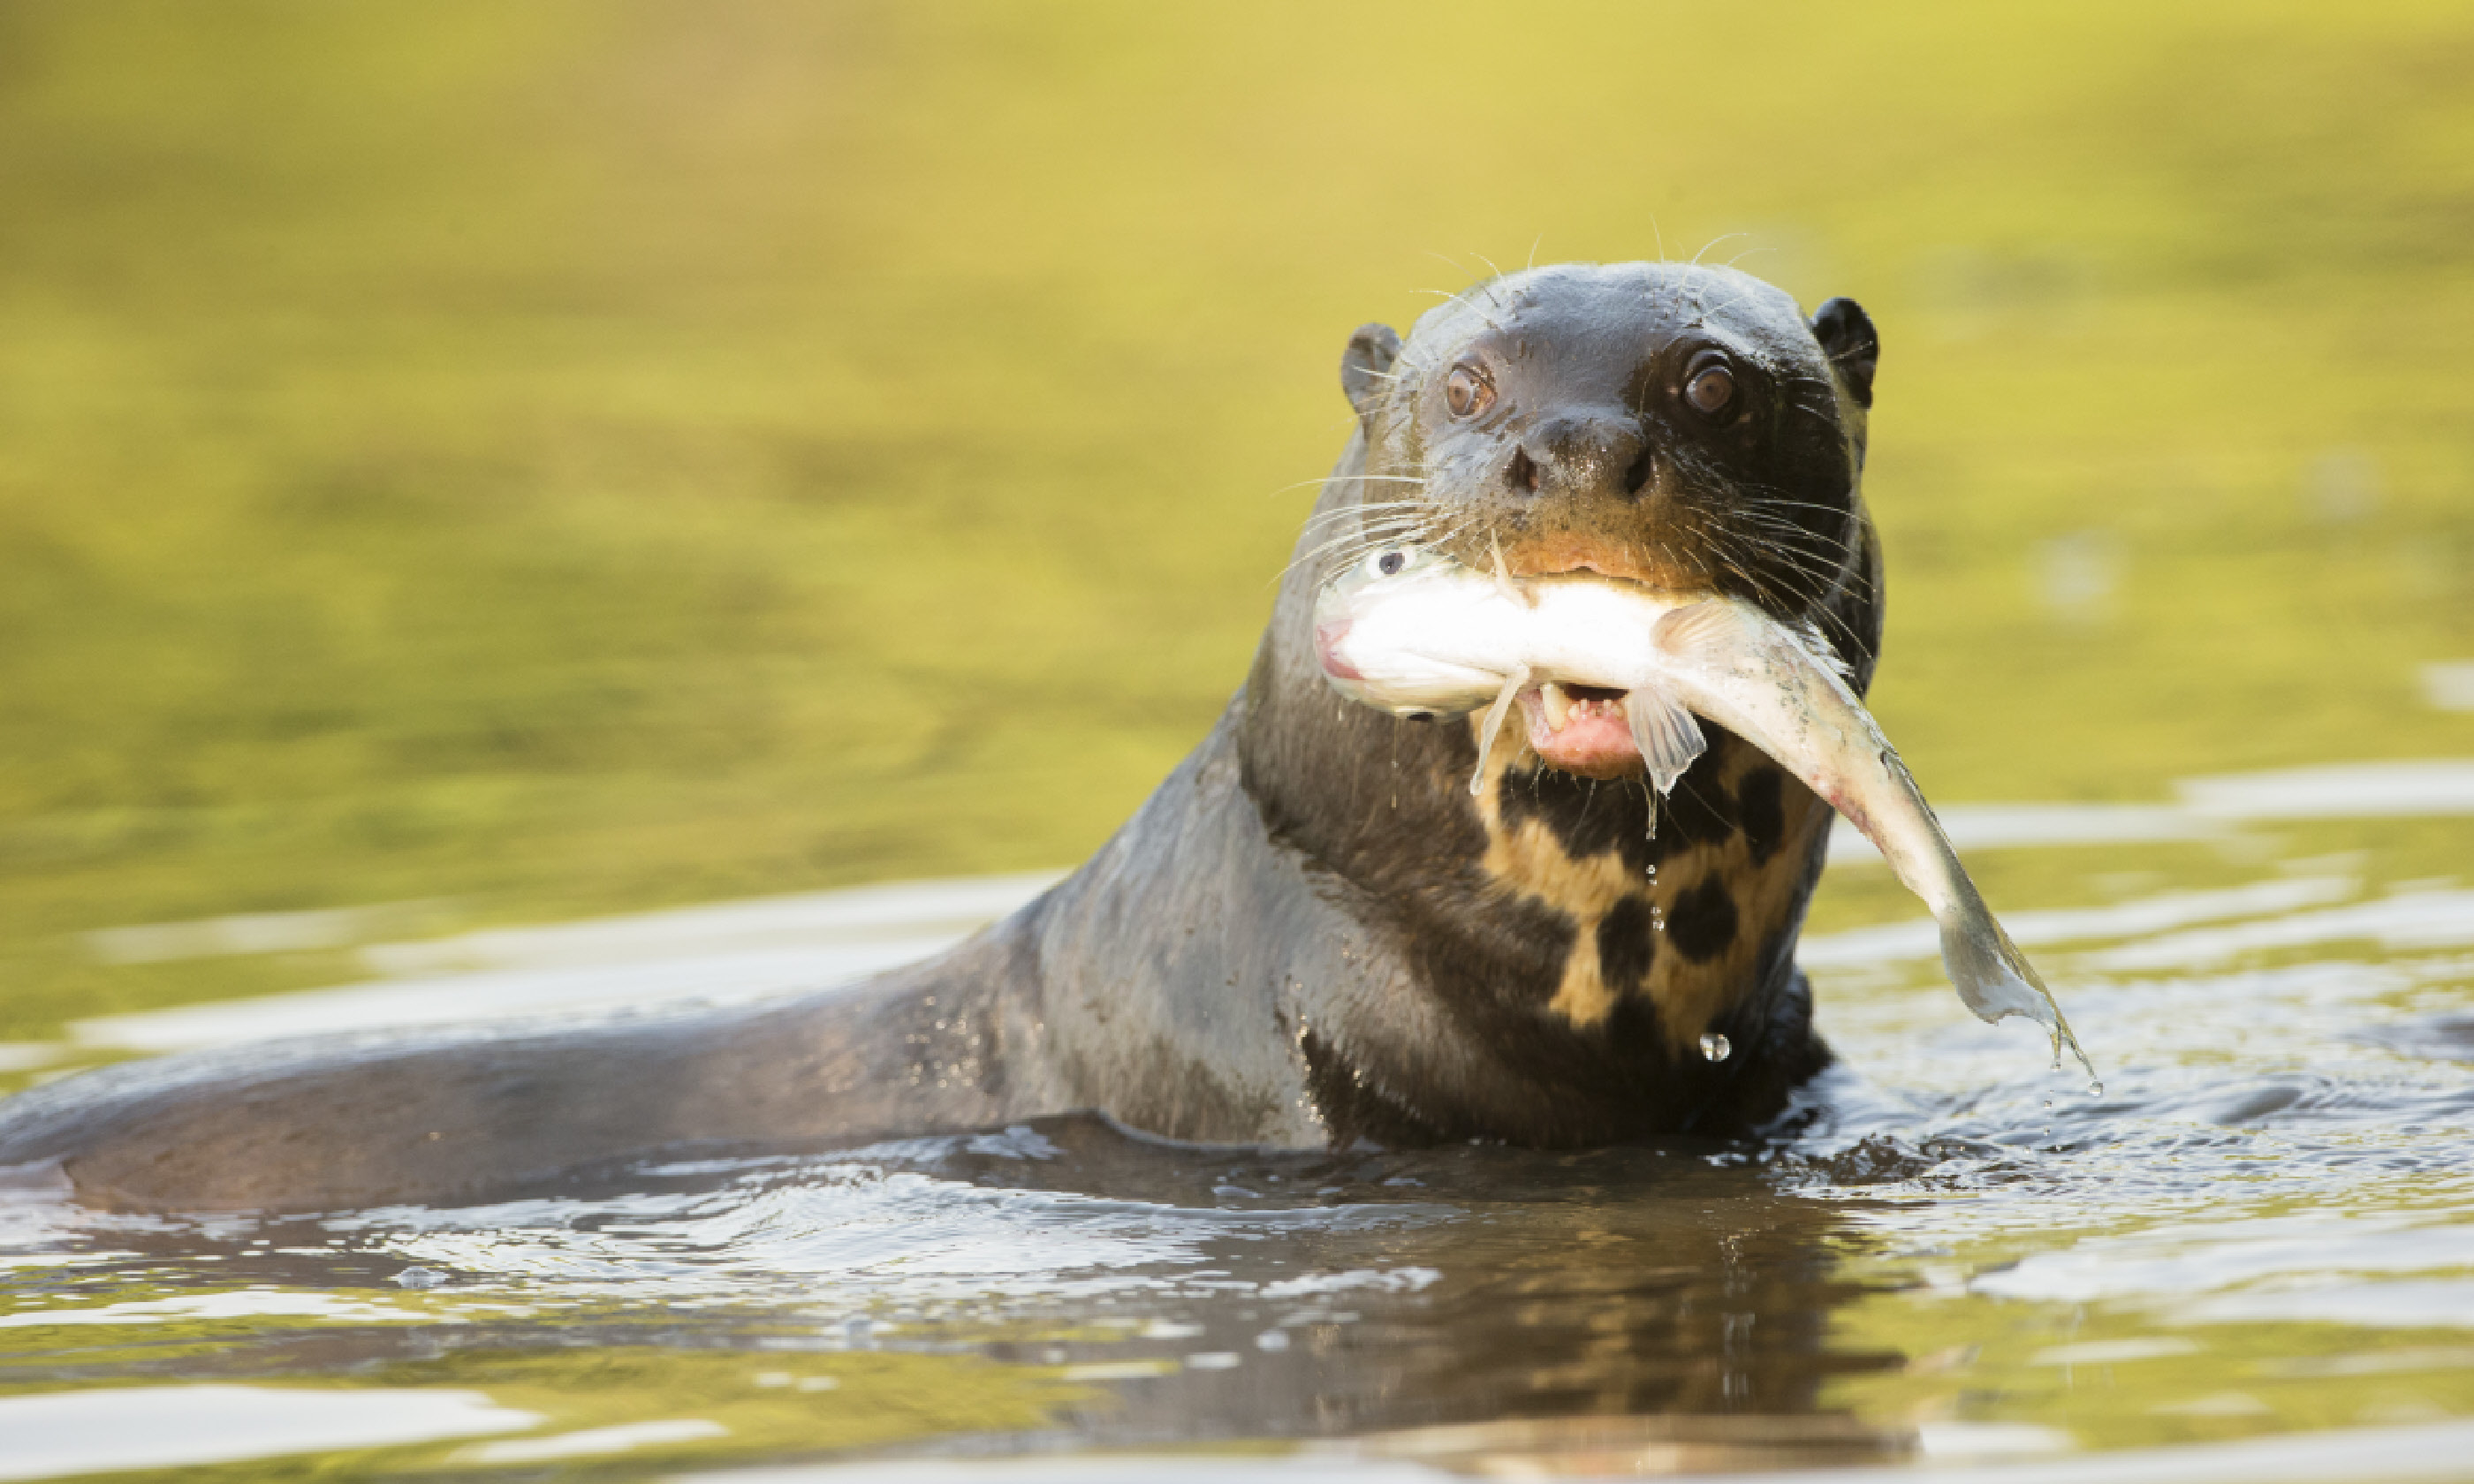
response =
{"points": [[1581, 454]]}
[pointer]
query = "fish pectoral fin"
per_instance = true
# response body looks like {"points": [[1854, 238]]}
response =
{"points": [[1668, 736], [1707, 631], [1513, 684], [1504, 584]]}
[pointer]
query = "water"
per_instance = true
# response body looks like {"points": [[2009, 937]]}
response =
{"points": [[529, 464], [2261, 1228]]}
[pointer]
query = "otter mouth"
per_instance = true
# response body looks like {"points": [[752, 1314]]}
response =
{"points": [[1582, 730]]}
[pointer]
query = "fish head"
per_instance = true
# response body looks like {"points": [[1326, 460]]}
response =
{"points": [[1394, 631]]}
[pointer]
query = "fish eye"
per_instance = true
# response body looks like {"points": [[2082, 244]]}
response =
{"points": [[1391, 562], [1468, 391], [1708, 386]]}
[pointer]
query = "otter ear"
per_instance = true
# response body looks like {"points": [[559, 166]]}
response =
{"points": [[1847, 337], [1367, 364]]}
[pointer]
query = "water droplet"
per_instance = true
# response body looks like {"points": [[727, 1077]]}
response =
{"points": [[1653, 873], [1716, 1047], [2049, 1102], [1657, 918], [2095, 1088]]}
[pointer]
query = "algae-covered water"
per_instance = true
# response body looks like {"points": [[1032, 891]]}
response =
{"points": [[531, 509]]}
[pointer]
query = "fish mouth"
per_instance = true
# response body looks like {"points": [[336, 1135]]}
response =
{"points": [[1327, 638], [1582, 729]]}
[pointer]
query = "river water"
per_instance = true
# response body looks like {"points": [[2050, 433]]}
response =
{"points": [[486, 466], [2251, 1255]]}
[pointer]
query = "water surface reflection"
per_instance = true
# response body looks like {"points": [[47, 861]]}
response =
{"points": [[2259, 1227]]}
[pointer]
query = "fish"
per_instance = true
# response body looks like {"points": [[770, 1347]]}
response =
{"points": [[1412, 631]]}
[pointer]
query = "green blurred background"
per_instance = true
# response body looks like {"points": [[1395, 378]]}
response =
{"points": [[554, 458]]}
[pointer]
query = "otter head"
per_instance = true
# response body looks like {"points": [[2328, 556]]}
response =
{"points": [[1686, 428]]}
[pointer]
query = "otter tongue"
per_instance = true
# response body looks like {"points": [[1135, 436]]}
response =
{"points": [[1668, 736], [1590, 737]]}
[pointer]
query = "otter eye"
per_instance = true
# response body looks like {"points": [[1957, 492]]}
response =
{"points": [[1709, 386], [1389, 563], [1467, 391]]}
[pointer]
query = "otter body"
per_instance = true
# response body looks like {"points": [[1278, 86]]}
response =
{"points": [[1311, 934]]}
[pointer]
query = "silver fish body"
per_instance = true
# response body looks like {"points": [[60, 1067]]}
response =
{"points": [[1427, 635], [1418, 635], [1430, 635]]}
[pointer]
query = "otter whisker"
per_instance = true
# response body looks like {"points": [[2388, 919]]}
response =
{"points": [[1351, 479], [1803, 564], [1356, 544], [1793, 568], [1372, 510], [1408, 501], [1800, 563], [1786, 536], [1365, 509], [1757, 508], [1462, 297], [1701, 302], [1819, 607], [1762, 499], [1368, 537], [1349, 510], [1348, 547], [1388, 527]]}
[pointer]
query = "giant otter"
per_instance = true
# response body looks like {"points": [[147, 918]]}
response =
{"points": [[1312, 934]]}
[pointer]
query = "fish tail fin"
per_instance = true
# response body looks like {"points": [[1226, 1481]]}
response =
{"points": [[1994, 979]]}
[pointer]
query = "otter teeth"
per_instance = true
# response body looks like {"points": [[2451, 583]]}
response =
{"points": [[1559, 705]]}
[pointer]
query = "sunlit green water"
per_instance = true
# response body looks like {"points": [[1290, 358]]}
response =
{"points": [[531, 461], [588, 456]]}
